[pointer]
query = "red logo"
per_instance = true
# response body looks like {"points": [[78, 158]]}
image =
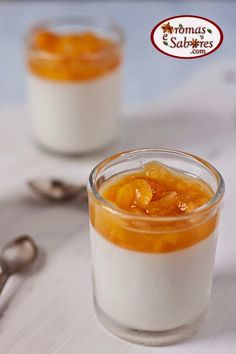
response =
{"points": [[187, 36]]}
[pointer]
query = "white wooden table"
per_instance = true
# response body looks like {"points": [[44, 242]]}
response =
{"points": [[50, 310]]}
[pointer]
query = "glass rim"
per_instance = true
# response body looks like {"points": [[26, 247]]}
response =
{"points": [[210, 205], [98, 21]]}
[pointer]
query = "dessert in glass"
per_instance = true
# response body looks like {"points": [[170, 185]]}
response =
{"points": [[153, 229], [74, 83]]}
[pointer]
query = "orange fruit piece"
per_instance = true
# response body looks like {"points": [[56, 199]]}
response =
{"points": [[188, 202], [164, 206], [125, 196], [137, 192], [158, 172], [158, 190], [143, 193], [46, 41]]}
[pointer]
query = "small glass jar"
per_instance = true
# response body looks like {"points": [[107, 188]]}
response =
{"points": [[152, 275], [74, 83]]}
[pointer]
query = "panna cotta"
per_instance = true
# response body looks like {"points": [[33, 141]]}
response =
{"points": [[74, 84], [152, 291], [153, 249]]}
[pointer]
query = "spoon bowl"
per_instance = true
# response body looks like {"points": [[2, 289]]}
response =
{"points": [[18, 255], [56, 190]]}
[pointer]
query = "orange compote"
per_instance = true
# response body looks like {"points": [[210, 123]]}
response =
{"points": [[158, 191], [146, 208], [72, 57]]}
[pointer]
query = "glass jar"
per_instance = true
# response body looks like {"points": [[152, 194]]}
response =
{"points": [[152, 275], [74, 83]]}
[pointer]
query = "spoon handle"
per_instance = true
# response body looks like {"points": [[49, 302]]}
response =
{"points": [[3, 278]]}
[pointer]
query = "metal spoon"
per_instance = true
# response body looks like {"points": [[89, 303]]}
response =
{"points": [[56, 190], [16, 256]]}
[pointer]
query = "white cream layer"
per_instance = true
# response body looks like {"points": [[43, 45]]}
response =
{"points": [[75, 117], [152, 291]]}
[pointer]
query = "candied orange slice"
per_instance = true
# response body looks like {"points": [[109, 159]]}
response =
{"points": [[158, 189], [46, 41], [125, 196], [163, 206], [158, 172], [143, 193], [188, 202], [137, 192]]}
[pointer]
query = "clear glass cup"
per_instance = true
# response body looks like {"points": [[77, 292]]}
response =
{"points": [[152, 275], [74, 92]]}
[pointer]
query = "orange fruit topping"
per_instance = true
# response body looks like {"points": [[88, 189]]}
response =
{"points": [[158, 191], [154, 191], [72, 57]]}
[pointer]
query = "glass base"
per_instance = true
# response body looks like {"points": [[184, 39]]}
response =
{"points": [[73, 153], [148, 338]]}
